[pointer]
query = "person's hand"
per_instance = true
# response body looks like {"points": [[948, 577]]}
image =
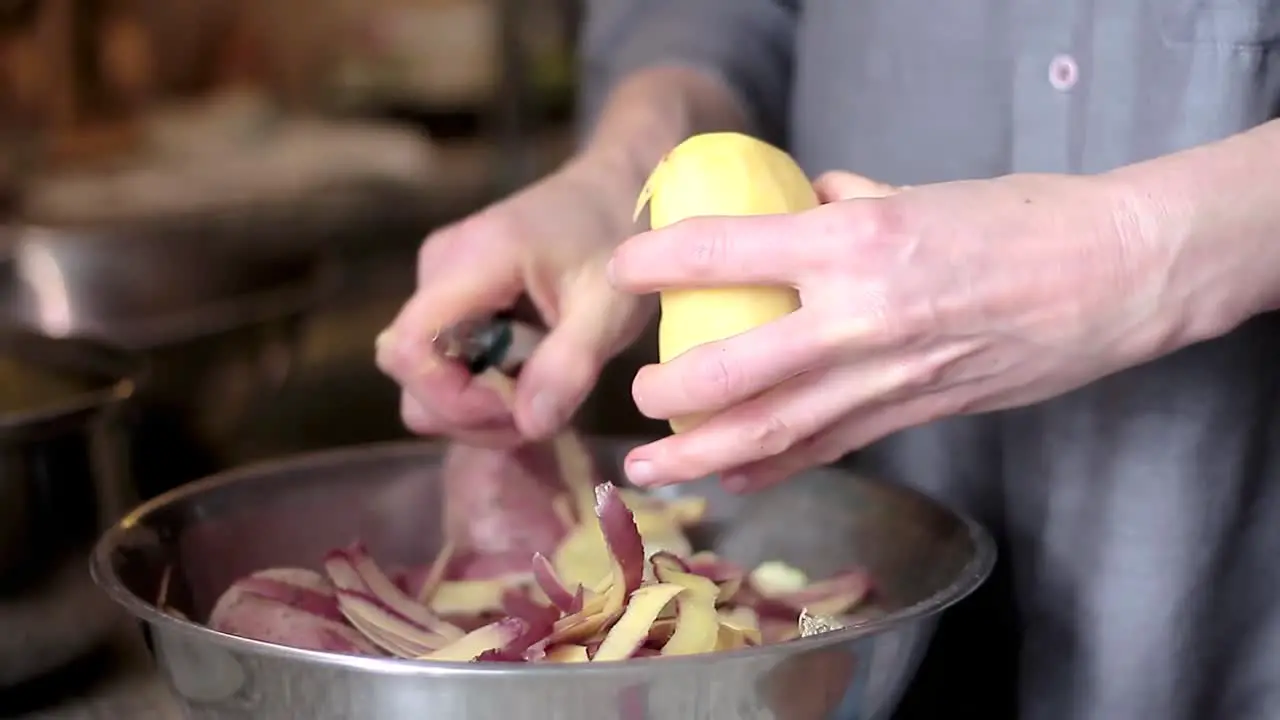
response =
{"points": [[549, 242], [937, 300]]}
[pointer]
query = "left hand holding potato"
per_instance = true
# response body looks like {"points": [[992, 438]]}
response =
{"points": [[939, 300]]}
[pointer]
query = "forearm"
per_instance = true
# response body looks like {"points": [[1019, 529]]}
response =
{"points": [[652, 111], [657, 71], [1212, 214]]}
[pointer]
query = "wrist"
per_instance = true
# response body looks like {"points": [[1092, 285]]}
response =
{"points": [[613, 182], [648, 114], [653, 110], [1206, 218]]}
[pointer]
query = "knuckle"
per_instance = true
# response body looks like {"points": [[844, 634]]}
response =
{"points": [[878, 220], [771, 436], [706, 249], [711, 378], [865, 234], [475, 238]]}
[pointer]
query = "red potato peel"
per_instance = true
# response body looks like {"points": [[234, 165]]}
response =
{"points": [[517, 603], [436, 573], [356, 575], [697, 625], [568, 654], [381, 587], [302, 589], [632, 629], [626, 551], [621, 535], [620, 582], [244, 611], [835, 596], [548, 580], [462, 597], [475, 566], [274, 622], [391, 632], [501, 637], [742, 623], [498, 502]]}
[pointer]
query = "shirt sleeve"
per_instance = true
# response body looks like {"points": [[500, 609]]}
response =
{"points": [[746, 43]]}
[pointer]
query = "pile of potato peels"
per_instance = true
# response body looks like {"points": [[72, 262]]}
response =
{"points": [[662, 604], [615, 578]]}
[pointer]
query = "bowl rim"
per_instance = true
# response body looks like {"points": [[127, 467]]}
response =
{"points": [[117, 371], [318, 279], [972, 575]]}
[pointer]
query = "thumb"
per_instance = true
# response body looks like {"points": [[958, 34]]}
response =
{"points": [[439, 303], [836, 185], [450, 289], [596, 322], [463, 270]]}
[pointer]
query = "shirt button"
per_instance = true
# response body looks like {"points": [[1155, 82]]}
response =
{"points": [[1063, 72]]}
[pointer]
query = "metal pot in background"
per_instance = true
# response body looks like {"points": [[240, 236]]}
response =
{"points": [[64, 476], [216, 311]]}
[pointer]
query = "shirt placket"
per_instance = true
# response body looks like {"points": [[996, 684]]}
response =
{"points": [[1045, 73]]}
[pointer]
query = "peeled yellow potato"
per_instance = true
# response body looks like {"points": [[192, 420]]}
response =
{"points": [[719, 174]]}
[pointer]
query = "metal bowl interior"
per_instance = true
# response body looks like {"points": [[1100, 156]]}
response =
{"points": [[923, 558]]}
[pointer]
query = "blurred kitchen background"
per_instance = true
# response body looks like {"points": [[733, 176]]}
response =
{"points": [[237, 189]]}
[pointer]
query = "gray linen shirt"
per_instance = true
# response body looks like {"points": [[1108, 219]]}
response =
{"points": [[1139, 517]]}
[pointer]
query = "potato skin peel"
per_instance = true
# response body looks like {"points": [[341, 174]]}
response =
{"points": [[721, 174]]}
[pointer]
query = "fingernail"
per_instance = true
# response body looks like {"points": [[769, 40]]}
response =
{"points": [[735, 483], [384, 338], [641, 472], [544, 411]]}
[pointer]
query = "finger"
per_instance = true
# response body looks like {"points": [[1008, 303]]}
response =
{"points": [[454, 283], [596, 321], [780, 419], [717, 375], [763, 427], [721, 251], [848, 435], [836, 185], [483, 240], [421, 421], [404, 353]]}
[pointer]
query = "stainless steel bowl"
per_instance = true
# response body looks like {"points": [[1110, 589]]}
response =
{"points": [[64, 478], [923, 557], [217, 311]]}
